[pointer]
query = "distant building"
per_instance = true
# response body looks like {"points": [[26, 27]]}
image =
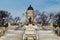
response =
{"points": [[30, 15]]}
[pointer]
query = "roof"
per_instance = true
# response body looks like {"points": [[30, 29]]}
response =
{"points": [[30, 8]]}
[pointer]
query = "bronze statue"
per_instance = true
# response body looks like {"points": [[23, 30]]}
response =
{"points": [[30, 20]]}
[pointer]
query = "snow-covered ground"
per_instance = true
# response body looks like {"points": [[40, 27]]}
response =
{"points": [[47, 35], [17, 35], [12, 35]]}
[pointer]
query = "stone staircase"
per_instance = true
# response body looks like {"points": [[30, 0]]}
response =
{"points": [[12, 35], [47, 35], [17, 35]]}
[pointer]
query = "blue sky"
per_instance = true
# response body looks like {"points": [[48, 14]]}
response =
{"points": [[18, 7]]}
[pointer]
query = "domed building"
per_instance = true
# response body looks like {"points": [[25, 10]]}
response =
{"points": [[30, 15], [29, 26]]}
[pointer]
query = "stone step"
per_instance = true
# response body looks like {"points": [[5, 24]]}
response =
{"points": [[12, 35], [17, 35], [48, 35]]}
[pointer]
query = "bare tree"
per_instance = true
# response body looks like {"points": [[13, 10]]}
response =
{"points": [[56, 23], [17, 19], [11, 20], [4, 15], [42, 17], [57, 18], [37, 16], [51, 15]]}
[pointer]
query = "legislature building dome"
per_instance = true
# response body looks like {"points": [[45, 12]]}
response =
{"points": [[30, 8]]}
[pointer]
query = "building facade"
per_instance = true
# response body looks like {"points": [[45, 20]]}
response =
{"points": [[30, 15]]}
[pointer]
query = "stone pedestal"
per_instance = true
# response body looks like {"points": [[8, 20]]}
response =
{"points": [[30, 33]]}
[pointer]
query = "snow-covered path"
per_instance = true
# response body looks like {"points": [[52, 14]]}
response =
{"points": [[12, 35], [17, 35], [48, 35]]}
